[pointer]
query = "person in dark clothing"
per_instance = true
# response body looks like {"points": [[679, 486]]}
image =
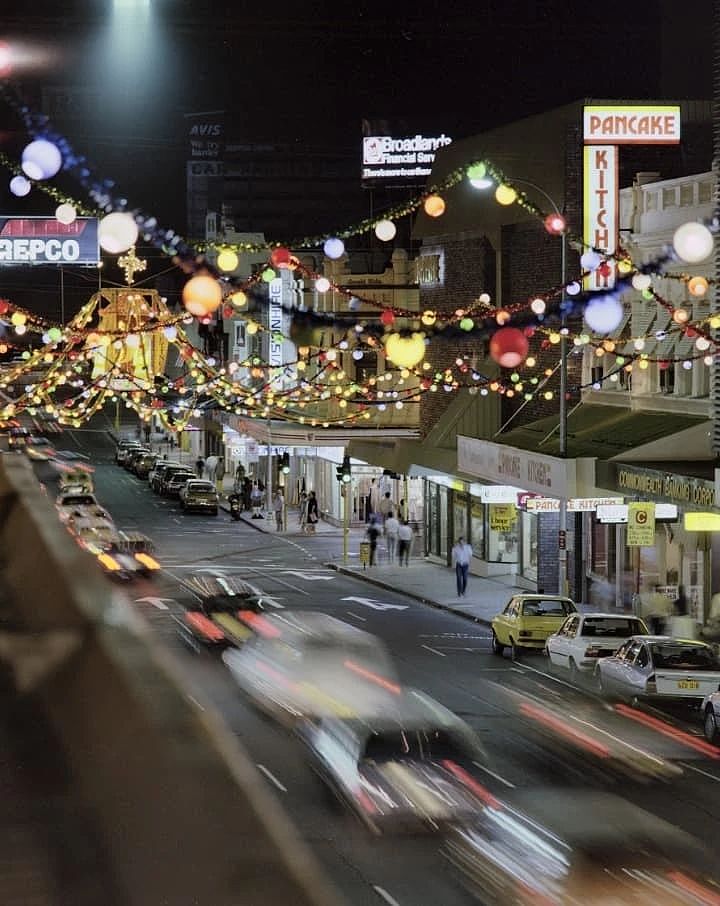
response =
{"points": [[200, 466], [313, 512], [681, 606], [373, 532]]}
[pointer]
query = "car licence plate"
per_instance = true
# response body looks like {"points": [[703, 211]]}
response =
{"points": [[688, 684]]}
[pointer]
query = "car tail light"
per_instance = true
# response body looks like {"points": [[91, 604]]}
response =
{"points": [[592, 651], [147, 561], [651, 685], [109, 562], [524, 633]]}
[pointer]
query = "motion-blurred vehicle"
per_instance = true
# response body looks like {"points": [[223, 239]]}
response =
{"points": [[124, 448], [123, 556], [585, 637], [174, 481], [39, 448], [309, 665], [409, 767], [144, 464], [18, 437], [75, 481], [198, 494], [578, 848], [223, 615], [157, 473], [528, 620], [660, 667], [76, 504], [711, 717]]}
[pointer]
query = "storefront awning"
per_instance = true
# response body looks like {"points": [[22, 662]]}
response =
{"points": [[599, 431]]}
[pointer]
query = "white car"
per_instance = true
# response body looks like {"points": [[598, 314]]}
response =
{"points": [[76, 504], [710, 710], [585, 637]]}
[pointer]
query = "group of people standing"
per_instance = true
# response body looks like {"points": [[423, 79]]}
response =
{"points": [[398, 533]]}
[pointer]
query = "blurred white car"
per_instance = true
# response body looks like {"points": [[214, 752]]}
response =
{"points": [[711, 716], [311, 665], [660, 667], [585, 637], [76, 503], [409, 768]]}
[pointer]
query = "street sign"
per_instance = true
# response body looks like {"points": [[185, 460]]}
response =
{"points": [[562, 539], [641, 525]]}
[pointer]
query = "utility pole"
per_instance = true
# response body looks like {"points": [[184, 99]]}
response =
{"points": [[562, 521], [345, 490]]}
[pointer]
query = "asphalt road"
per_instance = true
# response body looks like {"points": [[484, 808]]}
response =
{"points": [[448, 657]]}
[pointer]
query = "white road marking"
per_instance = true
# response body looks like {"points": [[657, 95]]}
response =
{"points": [[356, 615], [384, 895], [493, 774], [698, 771], [196, 702], [375, 605], [549, 676], [156, 602], [272, 778], [309, 578], [434, 650]]}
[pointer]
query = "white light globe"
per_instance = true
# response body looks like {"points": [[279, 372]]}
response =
{"points": [[20, 186], [334, 248], [590, 261], [170, 332], [603, 314], [117, 232], [385, 230], [641, 282], [693, 242], [322, 284], [41, 159], [572, 289], [65, 213]]}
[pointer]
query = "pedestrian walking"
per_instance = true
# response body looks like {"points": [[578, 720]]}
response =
{"points": [[279, 508], [392, 527], [405, 537], [313, 512], [461, 557], [385, 506], [256, 499], [200, 466], [302, 512], [373, 533]]}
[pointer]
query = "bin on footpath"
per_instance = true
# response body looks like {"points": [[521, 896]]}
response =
{"points": [[364, 553]]}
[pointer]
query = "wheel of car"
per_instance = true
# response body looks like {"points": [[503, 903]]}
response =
{"points": [[710, 727], [496, 646], [515, 650], [599, 684]]}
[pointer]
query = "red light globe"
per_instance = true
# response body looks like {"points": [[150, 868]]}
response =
{"points": [[280, 257], [387, 318], [509, 347], [555, 224]]}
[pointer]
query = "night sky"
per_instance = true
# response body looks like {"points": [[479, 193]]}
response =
{"points": [[307, 73]]}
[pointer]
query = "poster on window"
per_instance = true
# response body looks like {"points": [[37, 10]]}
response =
{"points": [[503, 517]]}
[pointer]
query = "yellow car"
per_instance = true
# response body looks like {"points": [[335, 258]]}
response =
{"points": [[528, 620]]}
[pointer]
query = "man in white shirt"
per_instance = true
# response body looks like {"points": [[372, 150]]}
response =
{"points": [[392, 527], [385, 507], [405, 537], [461, 557]]}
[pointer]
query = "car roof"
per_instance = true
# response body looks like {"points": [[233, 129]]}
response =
{"points": [[590, 818], [535, 597], [411, 710], [600, 614]]}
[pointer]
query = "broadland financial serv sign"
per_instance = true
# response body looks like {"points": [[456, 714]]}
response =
{"points": [[405, 158], [44, 240]]}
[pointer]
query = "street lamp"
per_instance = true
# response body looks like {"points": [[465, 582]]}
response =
{"points": [[557, 228]]}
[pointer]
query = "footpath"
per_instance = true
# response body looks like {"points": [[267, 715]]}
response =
{"points": [[430, 583]]}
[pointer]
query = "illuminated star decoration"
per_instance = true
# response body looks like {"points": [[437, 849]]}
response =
{"points": [[131, 264]]}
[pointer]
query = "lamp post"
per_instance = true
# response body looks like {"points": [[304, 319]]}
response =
{"points": [[562, 428]]}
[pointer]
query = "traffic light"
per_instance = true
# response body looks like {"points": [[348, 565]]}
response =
{"points": [[285, 463], [345, 470]]}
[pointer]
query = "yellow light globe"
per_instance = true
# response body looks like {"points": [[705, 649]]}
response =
{"points": [[405, 352], [505, 194], [227, 260]]}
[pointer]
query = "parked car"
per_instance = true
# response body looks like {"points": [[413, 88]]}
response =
{"points": [[578, 847], [197, 494], [174, 480], [156, 474], [660, 667], [132, 457], [409, 767], [124, 448], [528, 620], [143, 464], [585, 637], [711, 717], [311, 665]]}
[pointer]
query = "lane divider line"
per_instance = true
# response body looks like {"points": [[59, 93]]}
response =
{"points": [[271, 777]]}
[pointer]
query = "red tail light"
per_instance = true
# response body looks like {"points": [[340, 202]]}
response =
{"points": [[592, 651]]}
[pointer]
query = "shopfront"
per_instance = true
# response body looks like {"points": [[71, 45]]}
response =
{"points": [[618, 573]]}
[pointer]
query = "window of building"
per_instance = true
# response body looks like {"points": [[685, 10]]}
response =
{"points": [[477, 528], [597, 372], [460, 516], [667, 378], [366, 367]]}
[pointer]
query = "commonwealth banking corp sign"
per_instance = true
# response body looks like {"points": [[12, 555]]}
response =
{"points": [[44, 240], [605, 128]]}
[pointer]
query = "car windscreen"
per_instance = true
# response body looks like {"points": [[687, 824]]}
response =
{"points": [[550, 607], [203, 487], [427, 744], [612, 627], [79, 500], [179, 477], [682, 656]]}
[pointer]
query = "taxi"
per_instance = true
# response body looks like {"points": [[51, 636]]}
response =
{"points": [[528, 620]]}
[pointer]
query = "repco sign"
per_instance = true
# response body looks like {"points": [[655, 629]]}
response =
{"points": [[43, 240]]}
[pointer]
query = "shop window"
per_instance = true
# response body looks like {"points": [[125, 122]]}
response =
{"points": [[625, 380], [667, 379], [477, 528], [443, 518], [460, 516], [529, 545], [600, 562], [366, 367], [597, 373], [502, 545]]}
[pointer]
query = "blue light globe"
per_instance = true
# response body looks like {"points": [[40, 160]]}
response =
{"points": [[603, 314], [334, 248], [20, 186], [41, 159]]}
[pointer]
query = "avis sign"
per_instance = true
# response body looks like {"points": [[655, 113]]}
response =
{"points": [[641, 525], [605, 127]]}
